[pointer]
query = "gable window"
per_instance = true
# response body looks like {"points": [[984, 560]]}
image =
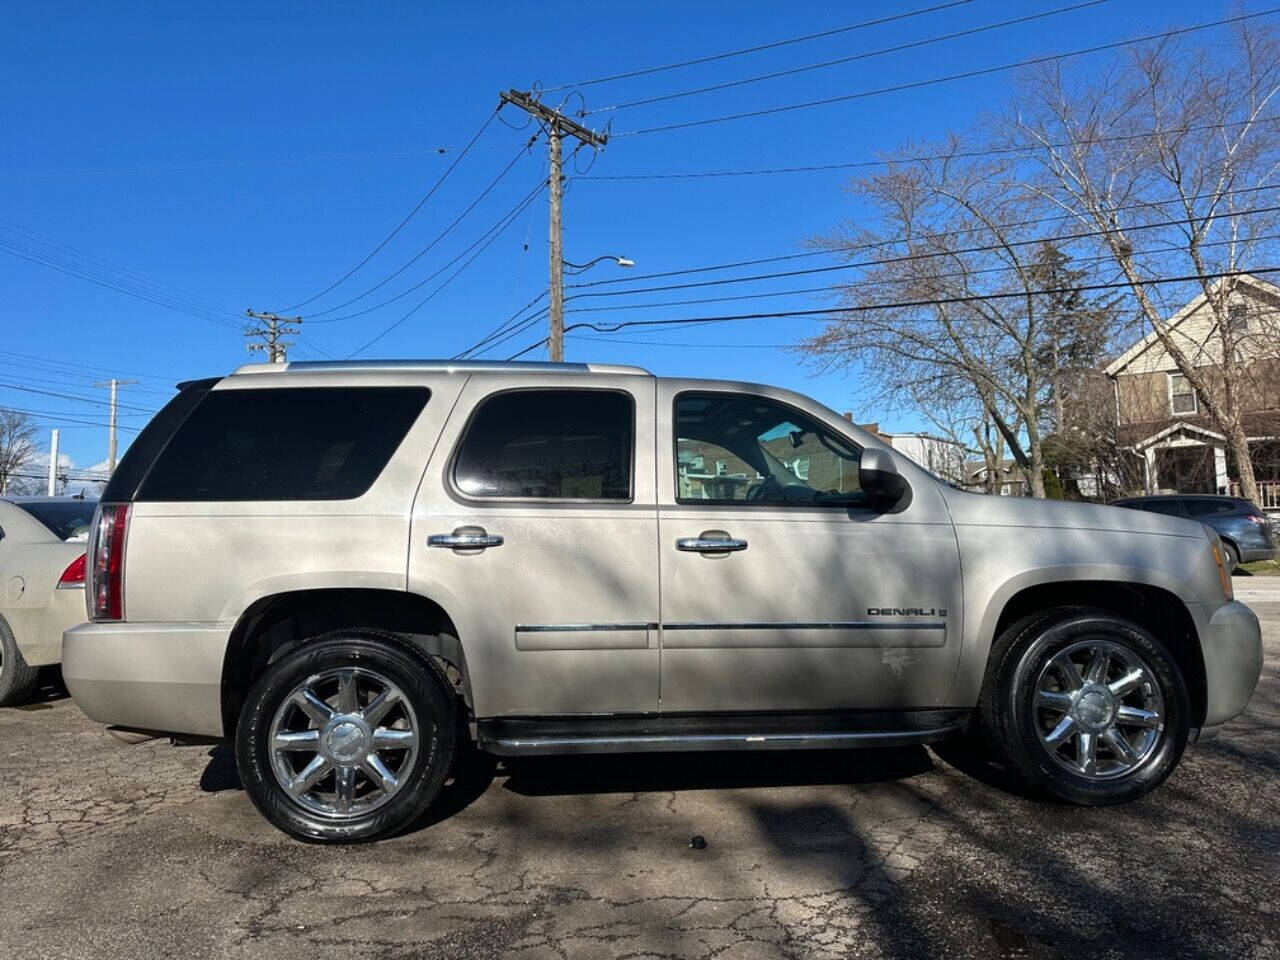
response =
{"points": [[1238, 316], [1182, 398]]}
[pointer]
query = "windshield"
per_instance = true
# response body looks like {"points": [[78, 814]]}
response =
{"points": [[67, 519]]}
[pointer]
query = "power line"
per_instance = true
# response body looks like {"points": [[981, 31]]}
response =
{"points": [[648, 71], [72, 396], [1061, 238], [883, 51], [62, 249], [226, 164], [501, 225], [501, 228], [964, 75], [418, 206], [45, 376], [85, 366], [31, 255], [1140, 205], [886, 161], [440, 236], [899, 305], [58, 417], [517, 324]]}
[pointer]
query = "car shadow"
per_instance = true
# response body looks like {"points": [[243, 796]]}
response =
{"points": [[475, 773], [665, 772]]}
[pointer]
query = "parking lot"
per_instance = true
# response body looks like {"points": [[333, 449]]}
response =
{"points": [[112, 851]]}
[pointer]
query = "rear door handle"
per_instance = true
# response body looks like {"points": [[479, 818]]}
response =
{"points": [[465, 538], [712, 544]]}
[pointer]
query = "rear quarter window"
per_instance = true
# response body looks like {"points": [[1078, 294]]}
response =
{"points": [[293, 443]]}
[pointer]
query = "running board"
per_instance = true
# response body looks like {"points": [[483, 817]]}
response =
{"points": [[587, 735]]}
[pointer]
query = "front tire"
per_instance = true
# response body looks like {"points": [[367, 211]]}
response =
{"points": [[17, 679], [348, 738], [1086, 706]]}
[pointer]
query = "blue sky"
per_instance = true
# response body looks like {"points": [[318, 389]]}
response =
{"points": [[249, 154]]}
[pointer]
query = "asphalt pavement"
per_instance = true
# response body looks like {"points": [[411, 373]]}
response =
{"points": [[110, 851]]}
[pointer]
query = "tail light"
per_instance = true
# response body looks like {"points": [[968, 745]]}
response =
{"points": [[73, 576], [105, 594], [1254, 518]]}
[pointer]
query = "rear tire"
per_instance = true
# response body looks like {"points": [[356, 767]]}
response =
{"points": [[1086, 706], [17, 679], [1232, 558], [348, 738]]}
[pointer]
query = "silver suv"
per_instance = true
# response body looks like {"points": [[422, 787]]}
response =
{"points": [[353, 570]]}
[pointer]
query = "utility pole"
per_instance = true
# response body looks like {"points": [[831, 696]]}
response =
{"points": [[275, 328], [114, 384], [53, 464], [558, 126]]}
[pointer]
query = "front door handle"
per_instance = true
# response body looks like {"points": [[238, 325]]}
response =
{"points": [[711, 541], [465, 538]]}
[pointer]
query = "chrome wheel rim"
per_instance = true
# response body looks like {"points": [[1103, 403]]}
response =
{"points": [[1098, 710], [343, 742]]}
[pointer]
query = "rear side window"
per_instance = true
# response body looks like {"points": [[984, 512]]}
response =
{"points": [[549, 445], [1172, 508], [296, 443], [1206, 508]]}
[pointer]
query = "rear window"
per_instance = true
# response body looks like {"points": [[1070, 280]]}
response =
{"points": [[295, 443], [1206, 508], [66, 519], [549, 445]]}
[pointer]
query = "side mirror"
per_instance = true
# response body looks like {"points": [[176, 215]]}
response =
{"points": [[880, 479]]}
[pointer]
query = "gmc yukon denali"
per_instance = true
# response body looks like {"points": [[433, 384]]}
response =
{"points": [[355, 570]]}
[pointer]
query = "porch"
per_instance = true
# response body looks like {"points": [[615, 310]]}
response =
{"points": [[1186, 457]]}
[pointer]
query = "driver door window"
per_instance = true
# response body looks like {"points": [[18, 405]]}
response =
{"points": [[732, 448]]}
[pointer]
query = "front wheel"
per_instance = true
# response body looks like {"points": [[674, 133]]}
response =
{"points": [[350, 737], [1087, 706]]}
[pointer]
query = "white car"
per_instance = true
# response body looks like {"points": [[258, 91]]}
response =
{"points": [[42, 544]]}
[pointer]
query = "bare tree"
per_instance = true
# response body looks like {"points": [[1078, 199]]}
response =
{"points": [[17, 444], [1170, 160], [960, 253]]}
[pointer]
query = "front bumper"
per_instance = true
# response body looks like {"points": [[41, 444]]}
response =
{"points": [[1232, 647], [165, 677]]}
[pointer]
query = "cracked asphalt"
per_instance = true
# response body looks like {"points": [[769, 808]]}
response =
{"points": [[110, 851]]}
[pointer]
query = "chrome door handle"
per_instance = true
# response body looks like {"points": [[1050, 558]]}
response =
{"points": [[464, 540], [705, 544]]}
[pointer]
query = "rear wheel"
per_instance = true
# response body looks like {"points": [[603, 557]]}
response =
{"points": [[1086, 705], [17, 679], [1232, 556], [350, 737]]}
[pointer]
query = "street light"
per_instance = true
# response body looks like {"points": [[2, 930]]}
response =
{"points": [[581, 267]]}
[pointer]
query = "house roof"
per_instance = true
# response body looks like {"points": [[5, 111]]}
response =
{"points": [[1152, 338], [1180, 427]]}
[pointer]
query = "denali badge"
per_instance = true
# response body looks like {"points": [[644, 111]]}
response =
{"points": [[906, 612]]}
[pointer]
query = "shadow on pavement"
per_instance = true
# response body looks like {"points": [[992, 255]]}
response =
{"points": [[641, 773]]}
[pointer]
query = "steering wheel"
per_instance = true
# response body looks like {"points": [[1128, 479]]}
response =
{"points": [[767, 488]]}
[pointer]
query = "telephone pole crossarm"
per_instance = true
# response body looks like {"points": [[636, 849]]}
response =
{"points": [[567, 125], [272, 334]]}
